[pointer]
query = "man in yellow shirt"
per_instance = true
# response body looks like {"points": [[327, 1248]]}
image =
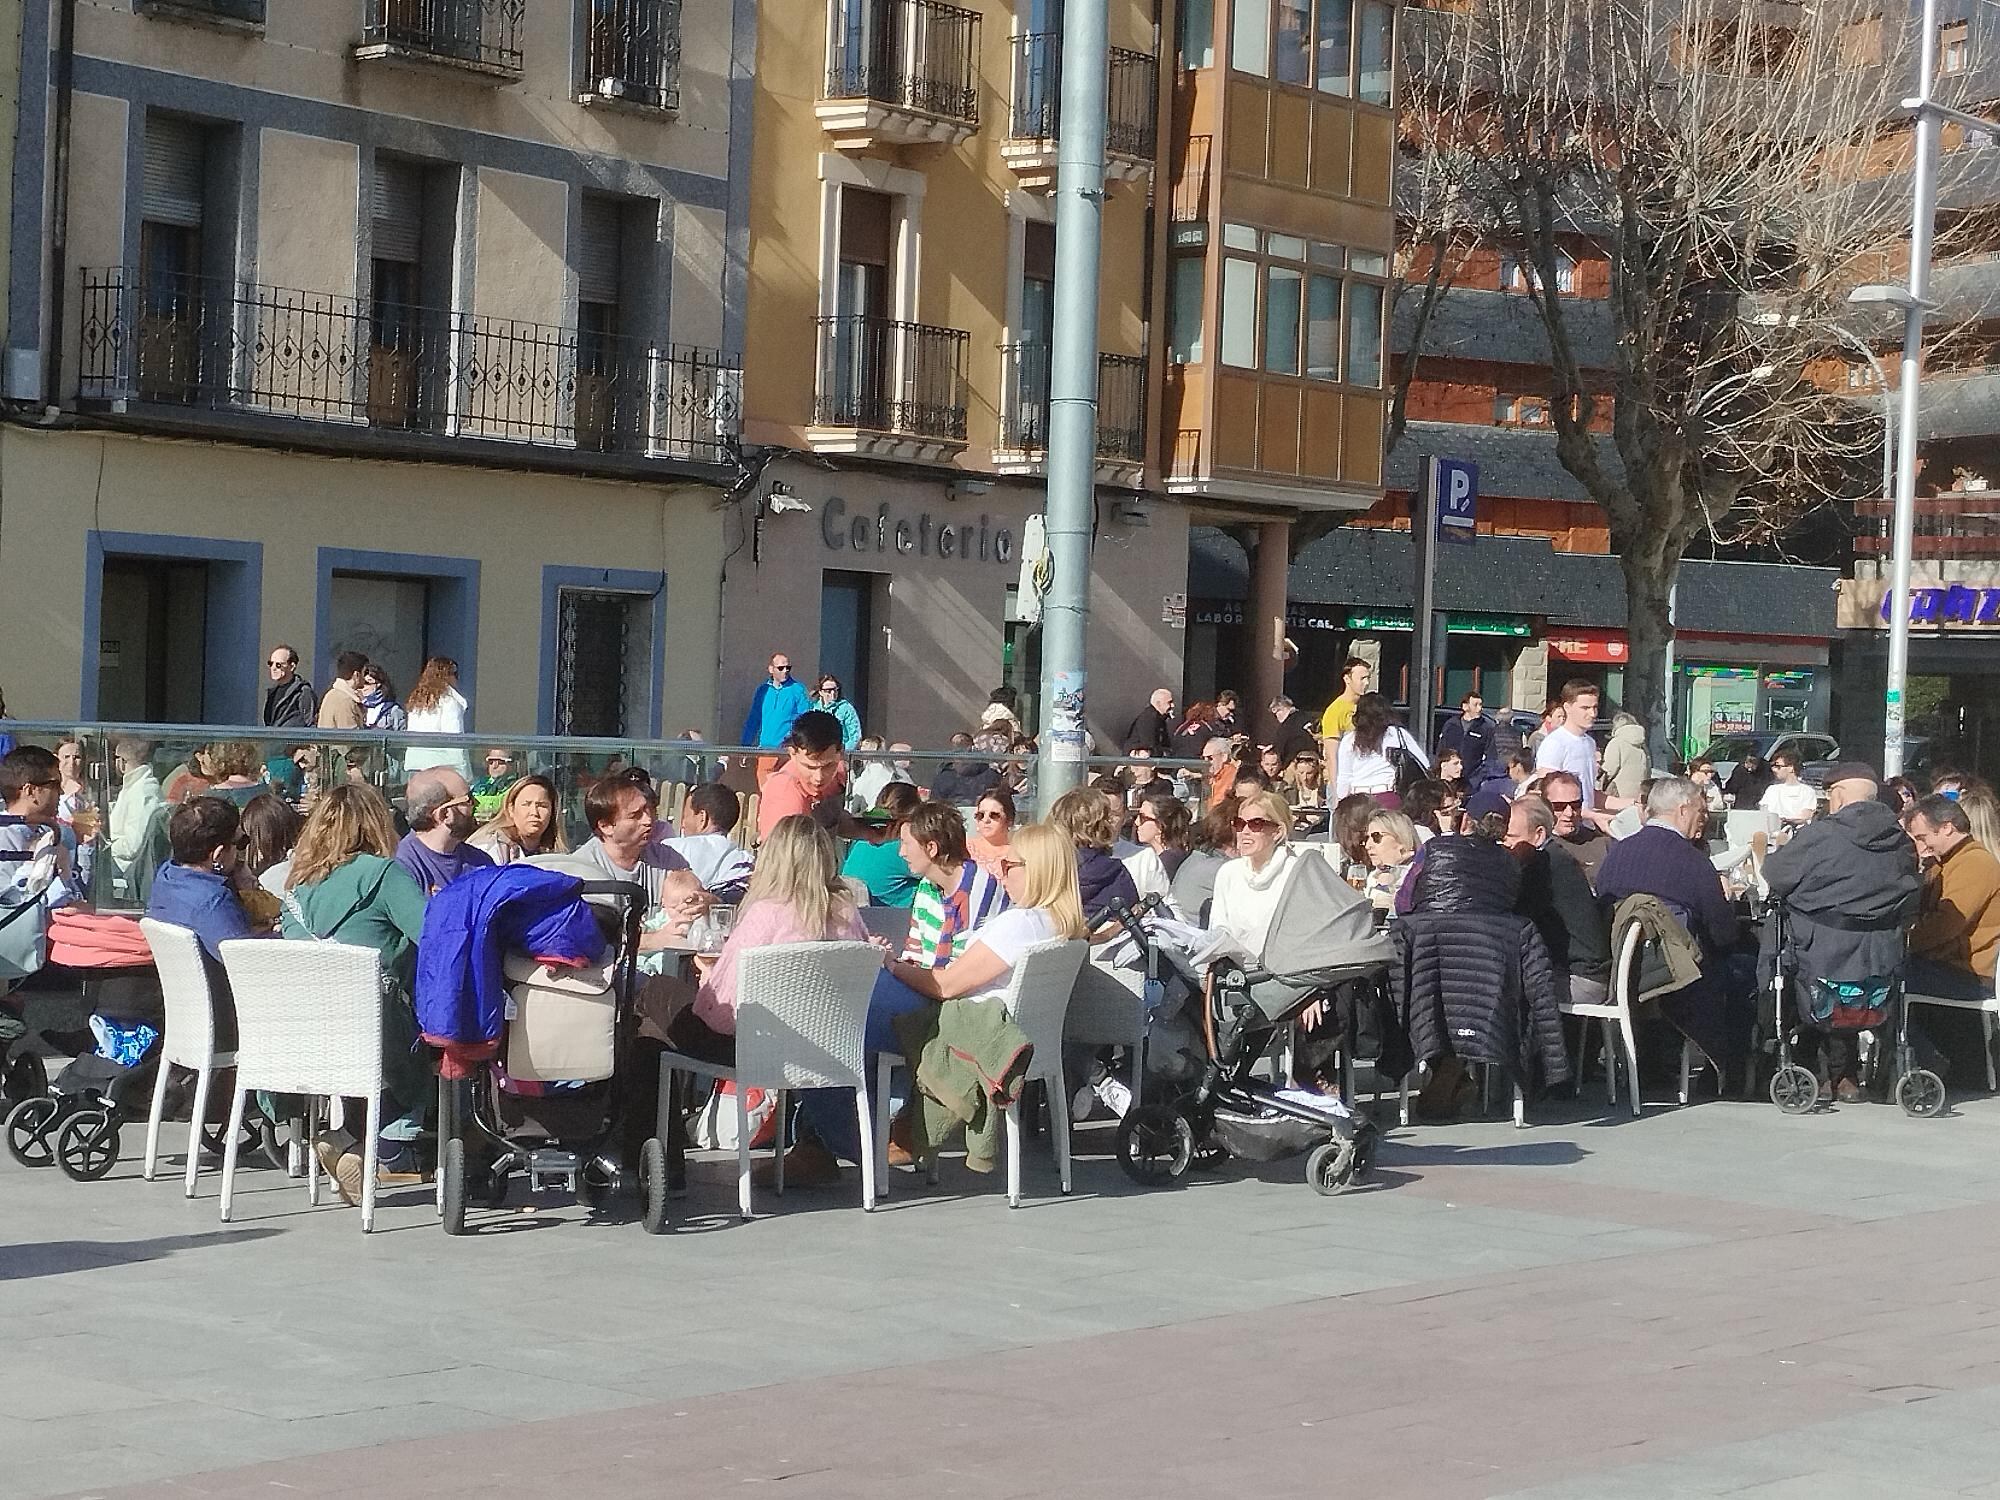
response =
{"points": [[1355, 674]]}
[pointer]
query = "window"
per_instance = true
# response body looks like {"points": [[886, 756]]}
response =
{"points": [[172, 207], [1859, 377], [1520, 411], [1952, 47], [1239, 312], [1517, 273], [604, 654], [409, 215], [1184, 288], [1197, 33], [1250, 38], [1364, 333], [634, 52], [1375, 77], [1291, 61], [1333, 46], [600, 380], [858, 351], [1323, 328], [1284, 292]]}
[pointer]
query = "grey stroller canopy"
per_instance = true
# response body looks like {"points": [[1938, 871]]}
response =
{"points": [[1323, 930]]}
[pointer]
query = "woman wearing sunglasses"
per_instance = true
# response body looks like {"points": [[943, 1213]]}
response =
{"points": [[992, 838], [1249, 888]]}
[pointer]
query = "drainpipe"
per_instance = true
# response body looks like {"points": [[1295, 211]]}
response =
{"points": [[52, 359]]}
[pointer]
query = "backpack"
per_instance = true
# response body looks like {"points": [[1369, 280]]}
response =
{"points": [[1840, 1005]]}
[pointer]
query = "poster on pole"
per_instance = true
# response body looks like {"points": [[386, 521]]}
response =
{"points": [[1455, 482], [1065, 731]]}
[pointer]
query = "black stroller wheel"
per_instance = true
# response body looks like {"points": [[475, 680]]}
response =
{"points": [[653, 1186], [87, 1145], [1794, 1089], [252, 1137], [29, 1126], [451, 1184], [1155, 1144], [1334, 1165], [26, 1077], [1921, 1093]]}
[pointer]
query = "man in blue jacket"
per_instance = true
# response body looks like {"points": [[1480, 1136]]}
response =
{"points": [[774, 707]]}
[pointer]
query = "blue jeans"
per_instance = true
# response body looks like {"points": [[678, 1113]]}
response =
{"points": [[829, 1113]]}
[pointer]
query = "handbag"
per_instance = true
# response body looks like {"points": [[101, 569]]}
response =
{"points": [[715, 1129], [562, 1023]]}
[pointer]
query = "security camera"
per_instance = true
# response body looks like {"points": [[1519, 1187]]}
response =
{"points": [[782, 502]]}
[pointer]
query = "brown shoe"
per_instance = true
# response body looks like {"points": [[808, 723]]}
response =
{"points": [[807, 1165], [348, 1171], [901, 1132], [1847, 1091]]}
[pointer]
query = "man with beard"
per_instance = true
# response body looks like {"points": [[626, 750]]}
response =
{"points": [[439, 807]]}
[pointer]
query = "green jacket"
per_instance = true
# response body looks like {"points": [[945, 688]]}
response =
{"points": [[371, 902], [971, 1061]]}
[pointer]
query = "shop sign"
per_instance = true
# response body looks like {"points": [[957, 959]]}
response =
{"points": [[1788, 682], [1457, 624], [919, 536], [1607, 647], [1297, 616], [1864, 605]]}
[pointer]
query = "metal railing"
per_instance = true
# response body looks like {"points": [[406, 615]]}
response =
{"points": [[1954, 526], [1131, 96], [241, 347], [1189, 201], [884, 376], [1121, 402], [248, 12], [485, 33], [916, 54], [633, 52]]}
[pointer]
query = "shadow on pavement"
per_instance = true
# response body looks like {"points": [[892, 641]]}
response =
{"points": [[61, 1257]]}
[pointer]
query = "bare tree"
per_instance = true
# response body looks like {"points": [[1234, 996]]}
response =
{"points": [[1734, 161]]}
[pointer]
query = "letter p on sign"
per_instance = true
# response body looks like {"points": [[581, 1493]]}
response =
{"points": [[1456, 485]]}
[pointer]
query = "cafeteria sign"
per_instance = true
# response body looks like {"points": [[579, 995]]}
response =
{"points": [[1863, 604]]}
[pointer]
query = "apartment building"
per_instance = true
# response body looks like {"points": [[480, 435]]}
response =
{"points": [[902, 255], [406, 326]]}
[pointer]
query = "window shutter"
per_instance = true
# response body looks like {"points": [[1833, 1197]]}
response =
{"points": [[398, 211], [597, 256], [173, 172]]}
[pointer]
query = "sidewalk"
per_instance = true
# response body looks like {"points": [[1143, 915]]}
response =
{"points": [[1714, 1300]]}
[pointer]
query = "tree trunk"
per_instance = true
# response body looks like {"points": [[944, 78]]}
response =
{"points": [[1649, 581]]}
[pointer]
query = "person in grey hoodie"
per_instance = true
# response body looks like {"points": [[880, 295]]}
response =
{"points": [[1625, 763], [1849, 886]]}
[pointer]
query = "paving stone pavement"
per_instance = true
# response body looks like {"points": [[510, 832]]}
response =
{"points": [[1715, 1300]]}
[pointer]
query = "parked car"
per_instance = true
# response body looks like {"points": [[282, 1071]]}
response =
{"points": [[1816, 751]]}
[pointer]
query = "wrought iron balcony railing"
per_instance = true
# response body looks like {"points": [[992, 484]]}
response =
{"points": [[914, 54], [879, 375], [633, 52], [1121, 402], [202, 345], [480, 34], [228, 13], [1131, 99]]}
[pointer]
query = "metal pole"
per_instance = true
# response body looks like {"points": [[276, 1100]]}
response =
{"points": [[1072, 463], [1423, 552], [1923, 213]]}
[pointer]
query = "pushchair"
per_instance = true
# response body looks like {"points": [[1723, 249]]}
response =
{"points": [[1862, 1008], [74, 1121], [1322, 936], [548, 1104]]}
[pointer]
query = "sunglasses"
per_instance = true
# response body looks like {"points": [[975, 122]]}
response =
{"points": [[1573, 806], [1009, 866], [989, 817], [277, 666], [1377, 836], [498, 760], [1254, 825]]}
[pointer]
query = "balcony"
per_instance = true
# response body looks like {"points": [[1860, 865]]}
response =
{"points": [[1024, 413], [220, 15], [632, 54], [900, 72], [889, 389], [1188, 198], [479, 37], [1957, 526], [1131, 137], [194, 353]]}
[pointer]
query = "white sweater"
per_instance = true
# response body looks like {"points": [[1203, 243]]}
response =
{"points": [[446, 716], [1246, 900], [1358, 770]]}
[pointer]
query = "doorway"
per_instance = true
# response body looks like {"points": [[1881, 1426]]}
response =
{"points": [[386, 618], [152, 640], [846, 633]]}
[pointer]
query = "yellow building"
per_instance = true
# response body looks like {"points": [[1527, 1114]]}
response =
{"points": [[901, 268], [398, 327]]}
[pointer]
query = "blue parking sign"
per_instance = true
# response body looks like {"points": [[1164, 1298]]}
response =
{"points": [[1455, 482]]}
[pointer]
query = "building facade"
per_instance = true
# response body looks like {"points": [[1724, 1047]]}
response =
{"points": [[412, 329], [902, 257]]}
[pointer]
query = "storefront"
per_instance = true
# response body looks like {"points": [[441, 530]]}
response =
{"points": [[917, 593], [1952, 713]]}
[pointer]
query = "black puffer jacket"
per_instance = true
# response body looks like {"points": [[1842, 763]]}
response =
{"points": [[1471, 977], [1850, 886]]}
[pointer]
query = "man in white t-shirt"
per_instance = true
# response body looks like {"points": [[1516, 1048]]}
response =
{"points": [[1569, 748]]}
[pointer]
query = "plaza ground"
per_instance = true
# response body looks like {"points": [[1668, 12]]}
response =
{"points": [[1715, 1300]]}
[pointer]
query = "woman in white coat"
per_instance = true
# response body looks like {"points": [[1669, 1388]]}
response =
{"points": [[436, 706]]}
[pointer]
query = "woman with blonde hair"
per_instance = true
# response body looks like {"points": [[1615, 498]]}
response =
{"points": [[1982, 811], [525, 824], [234, 772], [345, 886], [436, 706], [1392, 848]]}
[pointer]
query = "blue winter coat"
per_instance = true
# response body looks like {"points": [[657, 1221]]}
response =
{"points": [[471, 923]]}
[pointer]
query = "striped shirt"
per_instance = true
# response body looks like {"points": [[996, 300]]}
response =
{"points": [[941, 927]]}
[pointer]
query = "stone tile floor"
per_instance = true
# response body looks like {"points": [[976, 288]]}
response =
{"points": [[1715, 1300]]}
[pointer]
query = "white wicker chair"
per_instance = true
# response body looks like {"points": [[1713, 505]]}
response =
{"points": [[800, 1023], [190, 1036], [1988, 1007], [1037, 997], [308, 1021], [1616, 1009]]}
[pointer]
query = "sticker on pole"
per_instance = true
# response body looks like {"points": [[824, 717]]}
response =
{"points": [[1455, 482], [1065, 729]]}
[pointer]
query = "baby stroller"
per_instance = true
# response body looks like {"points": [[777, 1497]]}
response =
{"points": [[1321, 937], [548, 1103], [74, 1122], [1861, 1008]]}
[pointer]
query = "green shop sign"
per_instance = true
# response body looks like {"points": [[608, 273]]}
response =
{"points": [[1457, 624]]}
